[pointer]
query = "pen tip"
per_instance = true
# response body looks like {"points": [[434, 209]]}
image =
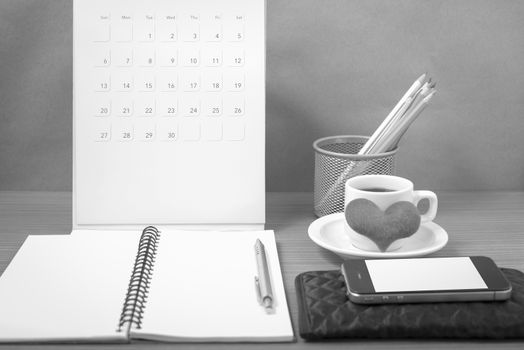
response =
{"points": [[267, 303]]}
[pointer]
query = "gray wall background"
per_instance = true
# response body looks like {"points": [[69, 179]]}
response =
{"points": [[333, 67]]}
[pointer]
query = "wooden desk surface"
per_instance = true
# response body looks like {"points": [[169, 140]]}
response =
{"points": [[478, 223]]}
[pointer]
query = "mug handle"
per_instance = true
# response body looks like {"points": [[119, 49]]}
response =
{"points": [[433, 204]]}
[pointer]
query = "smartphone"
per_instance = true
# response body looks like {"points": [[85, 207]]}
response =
{"points": [[384, 281]]}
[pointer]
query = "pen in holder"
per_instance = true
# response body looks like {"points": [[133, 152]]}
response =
{"points": [[336, 160]]}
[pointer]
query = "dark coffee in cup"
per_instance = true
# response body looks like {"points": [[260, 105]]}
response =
{"points": [[376, 189]]}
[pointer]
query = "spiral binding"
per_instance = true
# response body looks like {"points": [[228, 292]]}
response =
{"points": [[138, 288]]}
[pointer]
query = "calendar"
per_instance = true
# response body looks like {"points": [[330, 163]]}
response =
{"points": [[169, 112]]}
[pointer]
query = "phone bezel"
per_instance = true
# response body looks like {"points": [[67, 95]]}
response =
{"points": [[359, 279]]}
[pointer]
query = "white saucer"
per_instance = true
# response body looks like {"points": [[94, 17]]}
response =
{"points": [[328, 232]]}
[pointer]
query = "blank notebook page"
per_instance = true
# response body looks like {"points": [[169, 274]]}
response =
{"points": [[203, 290], [63, 289]]}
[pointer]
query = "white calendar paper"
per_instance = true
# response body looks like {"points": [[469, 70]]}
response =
{"points": [[169, 112]]}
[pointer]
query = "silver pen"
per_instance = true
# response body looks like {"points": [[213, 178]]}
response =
{"points": [[263, 280]]}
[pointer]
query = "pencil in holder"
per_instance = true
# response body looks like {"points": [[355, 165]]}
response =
{"points": [[337, 160]]}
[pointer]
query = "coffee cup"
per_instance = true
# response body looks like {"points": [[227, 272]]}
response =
{"points": [[381, 211]]}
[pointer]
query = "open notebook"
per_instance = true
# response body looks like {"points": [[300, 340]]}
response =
{"points": [[192, 287]]}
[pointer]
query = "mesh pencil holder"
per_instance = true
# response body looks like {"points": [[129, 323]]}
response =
{"points": [[336, 160]]}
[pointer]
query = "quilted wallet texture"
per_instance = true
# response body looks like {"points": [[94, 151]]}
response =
{"points": [[325, 312]]}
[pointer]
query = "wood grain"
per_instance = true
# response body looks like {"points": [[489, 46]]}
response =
{"points": [[478, 223]]}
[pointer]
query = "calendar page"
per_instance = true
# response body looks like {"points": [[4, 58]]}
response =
{"points": [[169, 112]]}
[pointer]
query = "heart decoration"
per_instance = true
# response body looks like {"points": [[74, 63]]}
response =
{"points": [[400, 220]]}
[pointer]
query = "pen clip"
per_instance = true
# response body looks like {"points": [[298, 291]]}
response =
{"points": [[257, 288]]}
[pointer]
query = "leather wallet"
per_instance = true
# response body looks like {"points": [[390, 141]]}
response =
{"points": [[325, 312]]}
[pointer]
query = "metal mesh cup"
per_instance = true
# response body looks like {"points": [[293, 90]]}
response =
{"points": [[336, 160]]}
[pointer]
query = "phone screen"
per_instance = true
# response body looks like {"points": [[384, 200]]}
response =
{"points": [[397, 275]]}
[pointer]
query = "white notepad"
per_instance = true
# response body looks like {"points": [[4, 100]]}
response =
{"points": [[73, 288]]}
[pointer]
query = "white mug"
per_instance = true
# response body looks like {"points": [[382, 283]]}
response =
{"points": [[384, 191]]}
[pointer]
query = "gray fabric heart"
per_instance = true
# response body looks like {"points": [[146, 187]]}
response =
{"points": [[400, 220]]}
